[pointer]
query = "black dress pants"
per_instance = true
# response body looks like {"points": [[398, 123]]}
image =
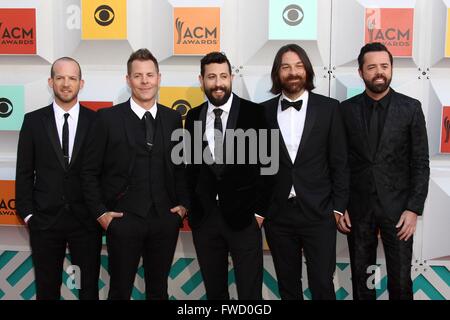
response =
{"points": [[49, 250], [154, 238], [363, 242], [214, 241], [293, 232]]}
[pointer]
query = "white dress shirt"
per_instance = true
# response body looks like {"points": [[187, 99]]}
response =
{"points": [[291, 123], [72, 122], [139, 111], [210, 117]]}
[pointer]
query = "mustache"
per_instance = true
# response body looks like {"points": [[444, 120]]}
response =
{"points": [[293, 77], [380, 76], [223, 88]]}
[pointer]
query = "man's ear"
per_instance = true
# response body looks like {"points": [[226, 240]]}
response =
{"points": [[200, 79]]}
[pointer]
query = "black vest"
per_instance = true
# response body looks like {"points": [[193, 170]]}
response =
{"points": [[147, 174]]}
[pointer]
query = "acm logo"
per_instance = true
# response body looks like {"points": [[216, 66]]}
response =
{"points": [[17, 31], [391, 26], [445, 131], [7, 206], [195, 35], [196, 30], [8, 214]]}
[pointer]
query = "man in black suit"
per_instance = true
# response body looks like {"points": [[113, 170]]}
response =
{"points": [[388, 159], [311, 187], [131, 185], [227, 195], [49, 196]]}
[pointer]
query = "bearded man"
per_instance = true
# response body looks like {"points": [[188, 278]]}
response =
{"points": [[311, 186], [229, 197], [389, 174]]}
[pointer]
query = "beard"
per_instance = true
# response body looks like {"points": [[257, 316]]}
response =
{"points": [[293, 88], [377, 87], [218, 101], [65, 99]]}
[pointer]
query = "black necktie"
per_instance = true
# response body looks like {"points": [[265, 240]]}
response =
{"points": [[285, 104], [149, 122], [218, 134], [65, 140], [373, 128]]}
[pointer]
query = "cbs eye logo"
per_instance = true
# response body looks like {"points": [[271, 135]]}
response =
{"points": [[104, 15], [293, 15], [182, 106], [6, 108]]}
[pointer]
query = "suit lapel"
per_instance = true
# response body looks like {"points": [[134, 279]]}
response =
{"points": [[231, 124], [273, 123], [311, 115], [203, 113], [202, 118], [82, 128], [50, 126], [358, 113], [128, 124], [389, 121], [166, 135], [128, 115], [234, 113]]}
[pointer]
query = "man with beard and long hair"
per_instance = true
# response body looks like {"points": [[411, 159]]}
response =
{"points": [[311, 186], [389, 174], [229, 197], [49, 194]]}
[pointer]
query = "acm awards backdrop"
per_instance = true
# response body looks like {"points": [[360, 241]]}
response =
{"points": [[101, 34]]}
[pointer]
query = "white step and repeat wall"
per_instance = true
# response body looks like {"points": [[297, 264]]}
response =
{"points": [[101, 34]]}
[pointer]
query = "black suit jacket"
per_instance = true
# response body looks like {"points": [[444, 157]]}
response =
{"points": [[320, 172], [43, 185], [240, 187], [400, 168], [109, 160]]}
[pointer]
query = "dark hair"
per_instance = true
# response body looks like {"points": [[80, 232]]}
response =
{"points": [[141, 55], [214, 57], [276, 83], [372, 47], [52, 71]]}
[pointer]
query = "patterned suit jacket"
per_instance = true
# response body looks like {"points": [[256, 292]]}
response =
{"points": [[400, 168]]}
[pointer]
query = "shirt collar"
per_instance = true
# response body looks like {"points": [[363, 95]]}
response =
{"points": [[225, 107], [304, 96], [383, 102], [139, 111], [73, 112]]}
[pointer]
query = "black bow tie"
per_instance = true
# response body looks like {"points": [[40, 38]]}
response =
{"points": [[285, 104]]}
